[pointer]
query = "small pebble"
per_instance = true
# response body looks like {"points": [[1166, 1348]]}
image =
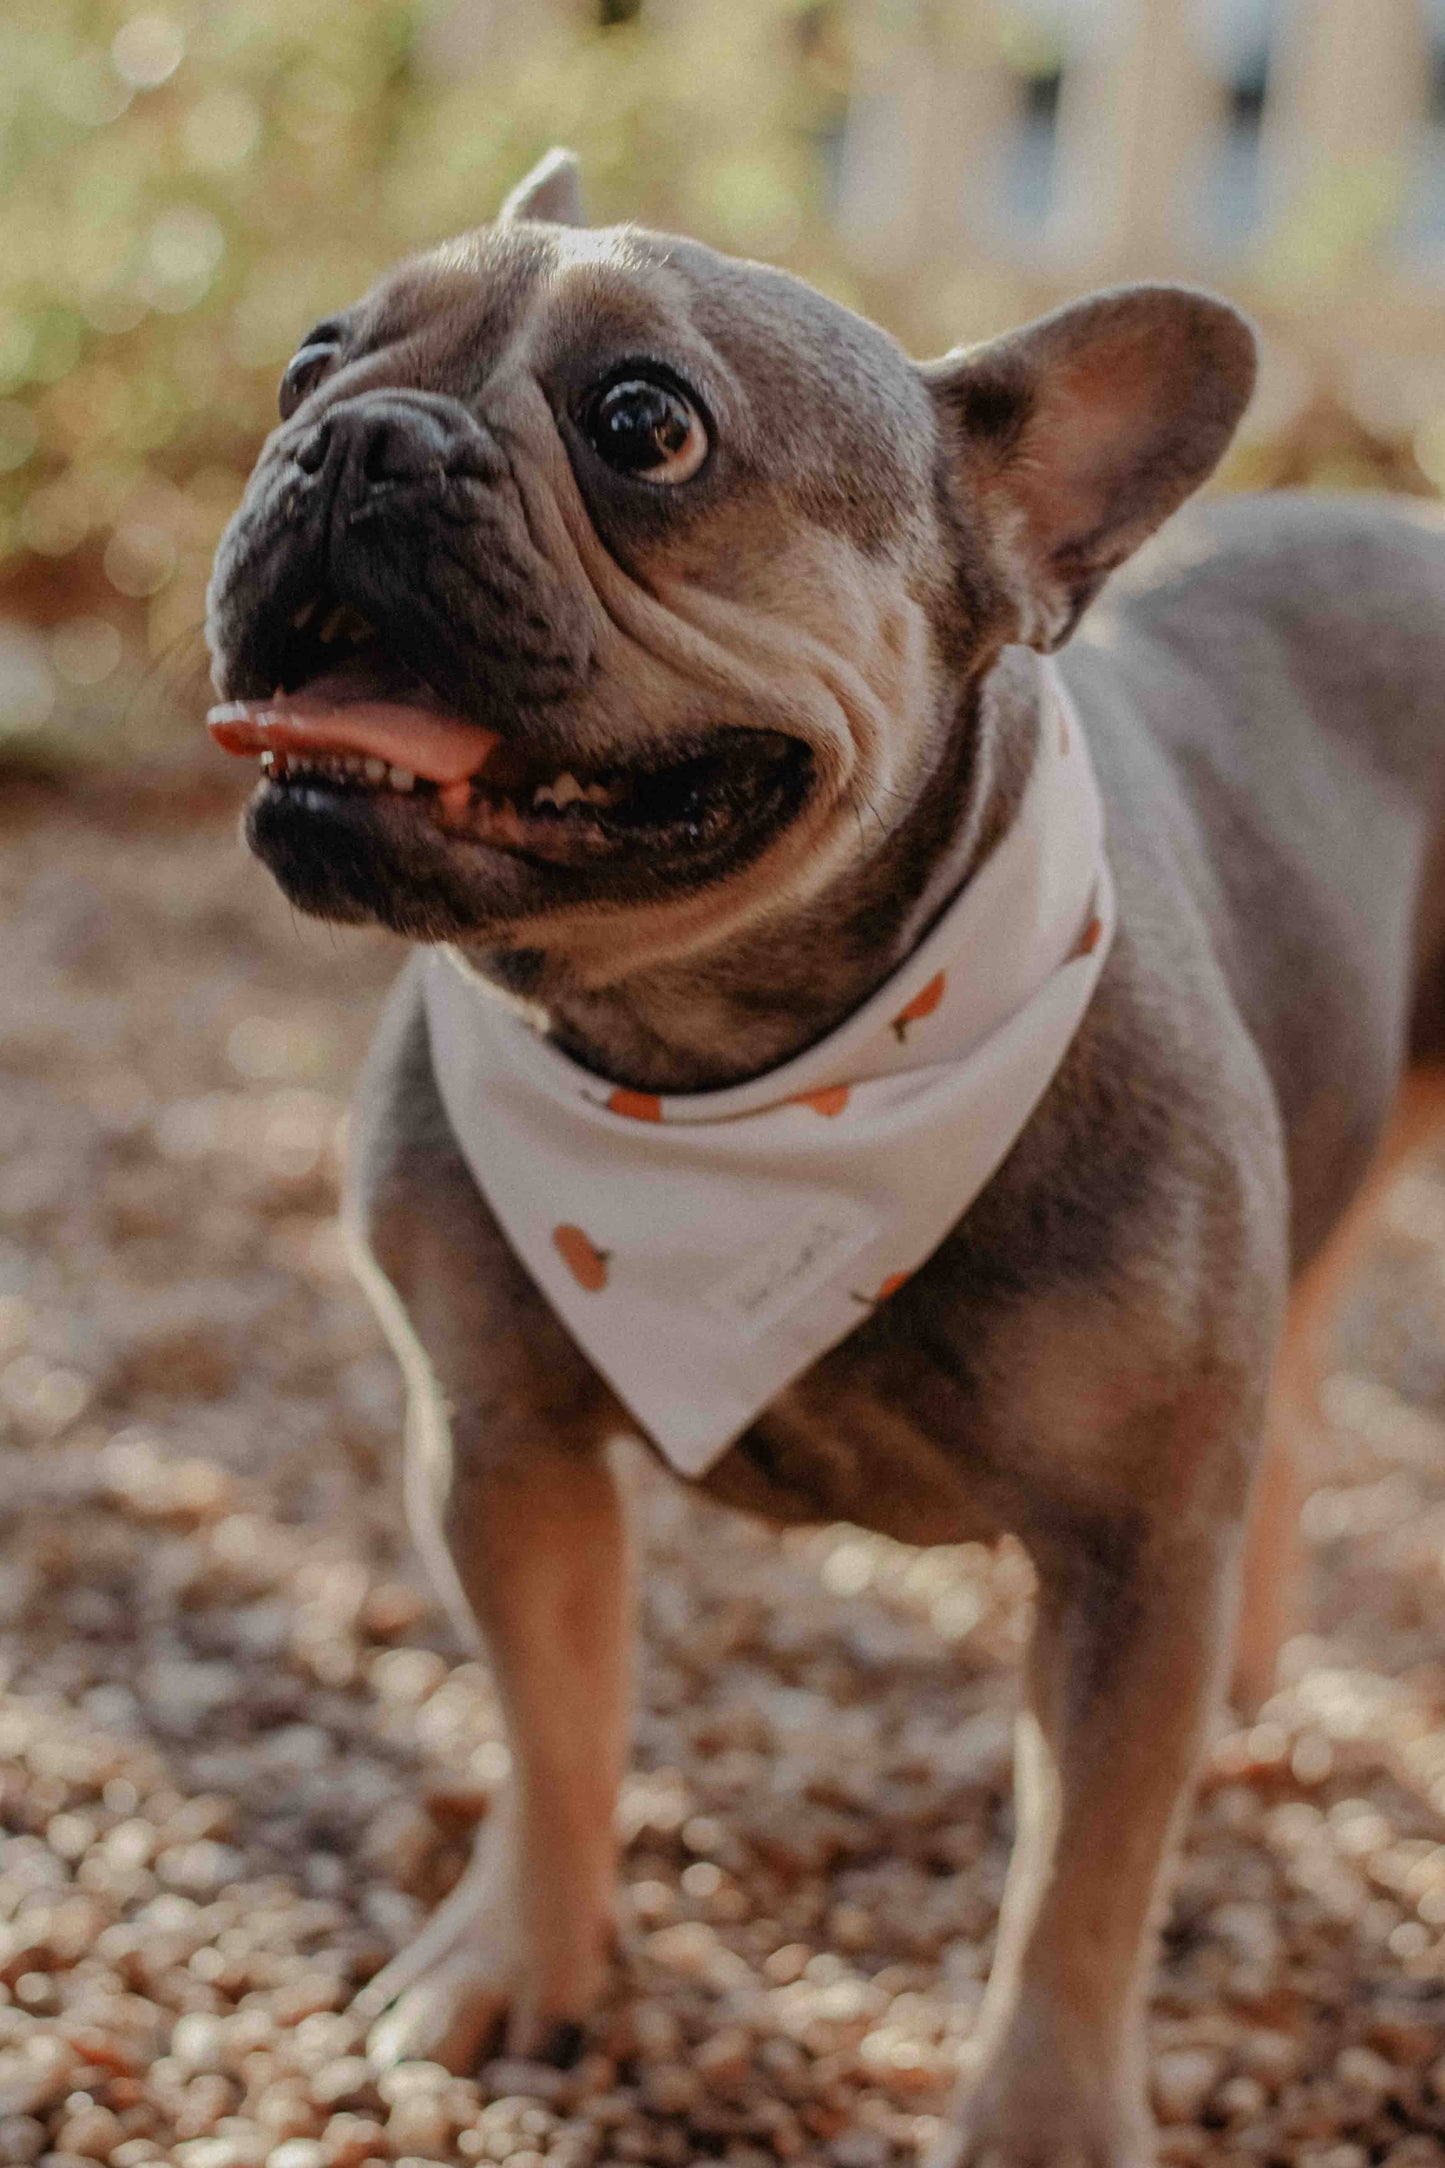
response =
{"points": [[242, 1759], [1183, 2080]]}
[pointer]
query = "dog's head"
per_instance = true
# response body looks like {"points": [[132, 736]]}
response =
{"points": [[598, 594]]}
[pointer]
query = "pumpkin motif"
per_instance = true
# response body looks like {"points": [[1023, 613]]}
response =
{"points": [[641, 1106], [924, 1002], [831, 1100], [580, 1254], [887, 1287]]}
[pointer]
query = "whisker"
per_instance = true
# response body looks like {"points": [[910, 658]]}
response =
{"points": [[163, 673]]}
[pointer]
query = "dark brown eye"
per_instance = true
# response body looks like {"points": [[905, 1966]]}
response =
{"points": [[646, 429], [304, 372]]}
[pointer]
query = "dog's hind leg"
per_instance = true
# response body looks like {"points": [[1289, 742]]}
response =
{"points": [[516, 1506], [1134, 1611], [1273, 1576]]}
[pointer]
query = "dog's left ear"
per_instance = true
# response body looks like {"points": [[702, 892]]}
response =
{"points": [[551, 193], [1078, 435]]}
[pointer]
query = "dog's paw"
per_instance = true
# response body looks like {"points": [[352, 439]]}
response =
{"points": [[448, 2013], [975, 2147], [1025, 2140], [482, 1976], [1030, 2111]]}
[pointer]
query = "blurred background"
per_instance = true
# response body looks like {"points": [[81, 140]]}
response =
{"points": [[183, 192], [241, 1751]]}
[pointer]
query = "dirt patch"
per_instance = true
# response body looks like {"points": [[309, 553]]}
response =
{"points": [[240, 1755]]}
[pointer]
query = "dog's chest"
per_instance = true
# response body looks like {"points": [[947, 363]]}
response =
{"points": [[871, 1434]]}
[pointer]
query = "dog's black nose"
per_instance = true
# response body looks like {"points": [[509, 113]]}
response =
{"points": [[390, 437]]}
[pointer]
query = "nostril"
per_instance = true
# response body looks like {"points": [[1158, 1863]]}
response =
{"points": [[387, 457], [310, 453]]}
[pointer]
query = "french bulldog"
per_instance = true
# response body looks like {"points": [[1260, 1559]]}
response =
{"points": [[654, 633]]}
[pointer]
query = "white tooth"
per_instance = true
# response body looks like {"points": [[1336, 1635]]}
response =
{"points": [[544, 794], [568, 790], [400, 778], [375, 770], [268, 761], [598, 794]]}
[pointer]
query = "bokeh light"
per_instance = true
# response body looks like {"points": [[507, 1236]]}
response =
{"points": [[183, 190]]}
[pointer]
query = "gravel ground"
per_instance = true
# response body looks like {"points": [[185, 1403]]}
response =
{"points": [[240, 1756]]}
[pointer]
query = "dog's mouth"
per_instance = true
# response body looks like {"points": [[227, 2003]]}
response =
{"points": [[347, 721]]}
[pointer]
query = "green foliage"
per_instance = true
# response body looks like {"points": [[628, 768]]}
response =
{"points": [[186, 185], [182, 193]]}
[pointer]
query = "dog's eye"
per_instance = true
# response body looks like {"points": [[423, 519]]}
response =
{"points": [[647, 429], [304, 371]]}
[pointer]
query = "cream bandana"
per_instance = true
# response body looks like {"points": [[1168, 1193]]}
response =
{"points": [[705, 1249]]}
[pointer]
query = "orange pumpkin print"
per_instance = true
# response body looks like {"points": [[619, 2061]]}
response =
{"points": [[887, 1287], [923, 1004], [831, 1100], [1090, 938], [641, 1106], [580, 1254]]}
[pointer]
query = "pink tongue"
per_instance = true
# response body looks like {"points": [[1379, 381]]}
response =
{"points": [[430, 745]]}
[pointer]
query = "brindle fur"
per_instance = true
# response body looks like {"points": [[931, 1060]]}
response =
{"points": [[1086, 1360]]}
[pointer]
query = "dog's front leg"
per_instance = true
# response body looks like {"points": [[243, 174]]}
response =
{"points": [[540, 1551], [517, 1511], [1131, 1629]]}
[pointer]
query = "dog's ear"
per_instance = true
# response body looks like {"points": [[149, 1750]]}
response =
{"points": [[551, 193], [1078, 435]]}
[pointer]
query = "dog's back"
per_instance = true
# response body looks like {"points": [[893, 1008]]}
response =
{"points": [[1282, 662]]}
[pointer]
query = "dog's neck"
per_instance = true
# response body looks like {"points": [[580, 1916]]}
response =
{"points": [[720, 1019]]}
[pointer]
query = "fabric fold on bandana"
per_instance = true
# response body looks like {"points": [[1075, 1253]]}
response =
{"points": [[705, 1248]]}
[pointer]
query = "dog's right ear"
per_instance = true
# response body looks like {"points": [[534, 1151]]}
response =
{"points": [[1074, 438], [551, 193]]}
